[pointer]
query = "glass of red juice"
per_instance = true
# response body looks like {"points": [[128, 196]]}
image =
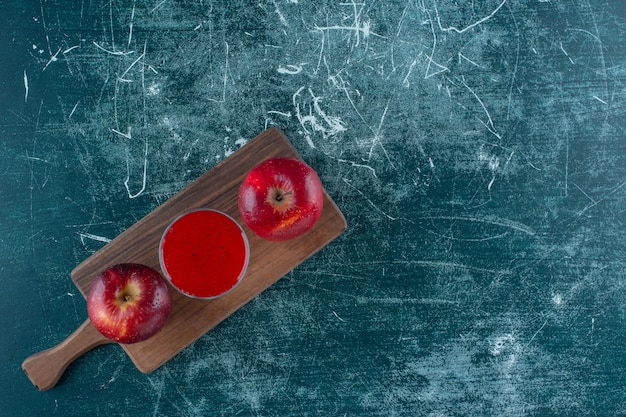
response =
{"points": [[204, 253]]}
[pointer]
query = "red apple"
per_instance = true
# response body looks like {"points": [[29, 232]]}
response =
{"points": [[129, 302], [281, 198]]}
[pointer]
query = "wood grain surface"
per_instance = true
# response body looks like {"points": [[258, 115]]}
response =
{"points": [[269, 261]]}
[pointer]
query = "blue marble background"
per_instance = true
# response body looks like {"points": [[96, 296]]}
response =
{"points": [[477, 150]]}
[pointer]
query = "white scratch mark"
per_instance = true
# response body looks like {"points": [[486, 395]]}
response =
{"points": [[125, 135], [280, 14], [53, 58], [43, 21], [97, 238], [517, 54], [405, 82], [600, 100], [280, 113], [113, 52], [341, 85], [361, 28], [461, 56], [584, 193], [158, 5], [566, 182], [25, 87], [111, 24], [302, 119], [143, 84], [188, 153], [225, 79], [489, 125], [336, 315], [158, 386], [34, 158], [130, 25], [73, 110], [465, 29], [68, 50], [145, 171], [436, 264], [587, 32], [565, 52], [377, 136], [358, 28], [290, 69], [396, 300], [368, 200], [334, 124], [508, 160], [134, 62], [354, 164], [490, 220], [321, 54], [536, 333], [442, 68], [593, 324], [596, 202]]}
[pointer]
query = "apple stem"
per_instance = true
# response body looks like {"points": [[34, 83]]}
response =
{"points": [[281, 195]]}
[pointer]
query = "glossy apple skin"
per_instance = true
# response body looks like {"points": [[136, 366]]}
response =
{"points": [[129, 303], [281, 198]]}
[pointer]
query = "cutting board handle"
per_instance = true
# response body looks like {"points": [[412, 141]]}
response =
{"points": [[45, 368]]}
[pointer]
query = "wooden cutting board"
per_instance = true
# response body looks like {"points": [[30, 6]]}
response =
{"points": [[192, 318]]}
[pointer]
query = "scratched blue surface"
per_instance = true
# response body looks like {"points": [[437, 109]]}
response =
{"points": [[477, 150]]}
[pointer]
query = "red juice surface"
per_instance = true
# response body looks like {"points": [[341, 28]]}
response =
{"points": [[204, 253]]}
